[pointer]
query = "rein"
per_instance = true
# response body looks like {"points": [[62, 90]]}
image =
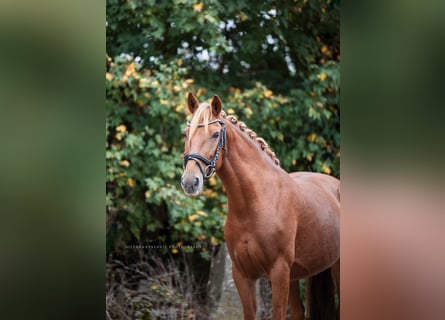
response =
{"points": [[210, 168]]}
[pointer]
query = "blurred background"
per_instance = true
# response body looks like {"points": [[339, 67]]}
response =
{"points": [[275, 65], [60, 128]]}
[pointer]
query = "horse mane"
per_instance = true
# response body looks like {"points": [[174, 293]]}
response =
{"points": [[203, 115], [260, 141]]}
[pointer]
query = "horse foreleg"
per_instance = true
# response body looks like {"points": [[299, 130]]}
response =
{"points": [[247, 293], [280, 289], [335, 270], [307, 315], [296, 306]]}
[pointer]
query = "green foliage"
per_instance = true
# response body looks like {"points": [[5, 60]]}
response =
{"points": [[144, 120], [244, 41], [275, 66], [302, 127]]}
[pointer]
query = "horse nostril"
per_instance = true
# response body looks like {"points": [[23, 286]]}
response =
{"points": [[196, 182]]}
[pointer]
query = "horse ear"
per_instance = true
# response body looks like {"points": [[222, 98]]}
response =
{"points": [[192, 103], [216, 105]]}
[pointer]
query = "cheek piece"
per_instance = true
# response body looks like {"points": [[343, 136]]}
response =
{"points": [[210, 168]]}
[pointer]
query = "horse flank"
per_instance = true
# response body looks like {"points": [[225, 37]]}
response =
{"points": [[203, 115]]}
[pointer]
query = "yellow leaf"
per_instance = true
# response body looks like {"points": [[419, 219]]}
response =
{"points": [[175, 251], [202, 213], [326, 169], [179, 107], [131, 182], [109, 76], [213, 241], [230, 111], [164, 102], [208, 193], [268, 93], [189, 81], [121, 128], [311, 137], [193, 217], [144, 83], [177, 88], [125, 163], [154, 287], [198, 7], [242, 16], [324, 49], [202, 237], [131, 70], [201, 92], [322, 76], [212, 181]]}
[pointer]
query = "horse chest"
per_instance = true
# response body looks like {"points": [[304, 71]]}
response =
{"points": [[248, 256], [253, 252]]}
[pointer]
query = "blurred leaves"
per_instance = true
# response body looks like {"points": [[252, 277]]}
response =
{"points": [[275, 66], [241, 42], [144, 161]]}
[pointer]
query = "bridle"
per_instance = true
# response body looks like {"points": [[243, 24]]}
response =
{"points": [[210, 168]]}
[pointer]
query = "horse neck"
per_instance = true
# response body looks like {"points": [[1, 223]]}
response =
{"points": [[247, 172]]}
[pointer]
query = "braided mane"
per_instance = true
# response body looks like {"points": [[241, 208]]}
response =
{"points": [[203, 116], [261, 142]]}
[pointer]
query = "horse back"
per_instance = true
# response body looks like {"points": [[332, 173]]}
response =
{"points": [[318, 180]]}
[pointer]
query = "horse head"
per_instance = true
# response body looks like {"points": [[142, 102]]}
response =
{"points": [[205, 138]]}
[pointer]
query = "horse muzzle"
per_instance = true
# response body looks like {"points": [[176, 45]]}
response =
{"points": [[192, 184]]}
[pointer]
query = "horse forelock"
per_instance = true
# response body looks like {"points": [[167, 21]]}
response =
{"points": [[201, 117]]}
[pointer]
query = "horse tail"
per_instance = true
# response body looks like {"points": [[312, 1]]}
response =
{"points": [[322, 296]]}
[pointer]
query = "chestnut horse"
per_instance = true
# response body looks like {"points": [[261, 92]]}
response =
{"points": [[281, 226]]}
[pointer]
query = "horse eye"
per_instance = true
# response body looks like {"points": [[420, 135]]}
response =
{"points": [[215, 135]]}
